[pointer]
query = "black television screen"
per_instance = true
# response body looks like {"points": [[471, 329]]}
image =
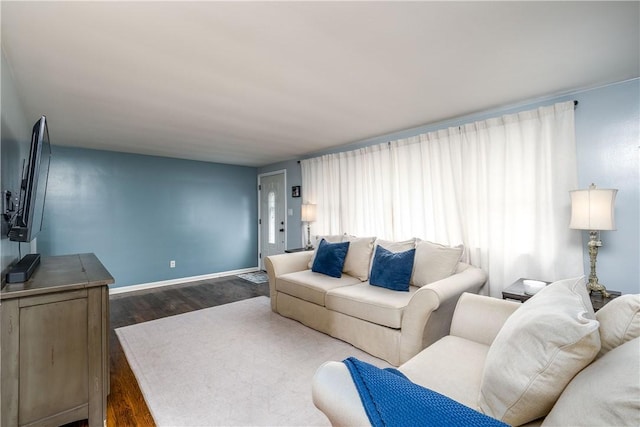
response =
{"points": [[33, 188]]}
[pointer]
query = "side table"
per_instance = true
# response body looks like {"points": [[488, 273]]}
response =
{"points": [[290, 251], [516, 292], [599, 301]]}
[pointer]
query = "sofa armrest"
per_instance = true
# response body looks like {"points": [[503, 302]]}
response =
{"points": [[335, 394], [277, 265], [479, 318], [428, 316]]}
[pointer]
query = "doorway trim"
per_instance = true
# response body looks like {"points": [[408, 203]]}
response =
{"points": [[286, 211]]}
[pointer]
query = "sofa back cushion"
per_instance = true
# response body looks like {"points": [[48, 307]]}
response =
{"points": [[434, 262], [605, 393], [401, 246], [541, 346], [358, 256], [619, 322], [330, 258]]}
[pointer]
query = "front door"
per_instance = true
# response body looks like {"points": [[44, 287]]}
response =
{"points": [[272, 219]]}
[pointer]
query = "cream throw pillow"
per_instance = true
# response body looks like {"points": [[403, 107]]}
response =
{"points": [[605, 393], [392, 246], [434, 262], [358, 258], [541, 346], [619, 322]]}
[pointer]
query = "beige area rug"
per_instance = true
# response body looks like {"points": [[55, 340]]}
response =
{"points": [[234, 364]]}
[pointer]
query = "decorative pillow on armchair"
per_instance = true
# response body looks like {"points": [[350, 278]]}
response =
{"points": [[540, 348], [619, 322], [605, 393], [330, 258]]}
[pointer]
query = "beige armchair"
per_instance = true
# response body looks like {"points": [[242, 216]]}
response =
{"points": [[502, 355]]}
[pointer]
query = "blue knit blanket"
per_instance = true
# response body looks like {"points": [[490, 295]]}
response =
{"points": [[391, 399]]}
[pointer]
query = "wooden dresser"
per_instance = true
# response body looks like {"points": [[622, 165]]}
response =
{"points": [[54, 351]]}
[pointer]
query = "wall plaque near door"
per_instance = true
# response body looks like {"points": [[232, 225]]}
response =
{"points": [[295, 191]]}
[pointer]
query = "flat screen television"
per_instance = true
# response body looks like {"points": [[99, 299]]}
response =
{"points": [[33, 187]]}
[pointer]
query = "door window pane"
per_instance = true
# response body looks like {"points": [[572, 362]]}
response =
{"points": [[272, 217]]}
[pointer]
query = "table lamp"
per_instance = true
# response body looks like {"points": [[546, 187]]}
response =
{"points": [[592, 210], [308, 215]]}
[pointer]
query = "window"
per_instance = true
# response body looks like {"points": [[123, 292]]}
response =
{"points": [[272, 217]]}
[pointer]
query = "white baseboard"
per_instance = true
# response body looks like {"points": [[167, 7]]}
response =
{"points": [[142, 286]]}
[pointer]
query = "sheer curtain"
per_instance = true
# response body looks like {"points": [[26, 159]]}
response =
{"points": [[500, 187], [352, 191]]}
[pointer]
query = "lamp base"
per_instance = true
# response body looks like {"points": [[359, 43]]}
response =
{"points": [[308, 246], [594, 286], [593, 245]]}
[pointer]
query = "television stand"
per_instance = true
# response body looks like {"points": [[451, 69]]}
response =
{"points": [[54, 344], [22, 271]]}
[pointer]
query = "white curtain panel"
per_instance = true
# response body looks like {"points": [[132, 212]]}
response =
{"points": [[500, 187], [352, 191]]}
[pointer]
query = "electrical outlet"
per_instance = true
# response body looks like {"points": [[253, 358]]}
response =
{"points": [[172, 264]]}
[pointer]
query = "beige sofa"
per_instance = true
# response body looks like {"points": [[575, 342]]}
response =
{"points": [[391, 325], [524, 364]]}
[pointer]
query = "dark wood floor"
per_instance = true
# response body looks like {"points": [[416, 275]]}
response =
{"points": [[126, 405]]}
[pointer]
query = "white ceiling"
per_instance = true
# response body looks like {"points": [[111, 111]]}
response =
{"points": [[255, 83]]}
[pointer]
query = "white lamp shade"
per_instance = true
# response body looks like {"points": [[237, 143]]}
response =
{"points": [[592, 209], [308, 213]]}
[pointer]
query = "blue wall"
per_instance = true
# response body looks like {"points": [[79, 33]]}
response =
{"points": [[607, 137], [139, 212]]}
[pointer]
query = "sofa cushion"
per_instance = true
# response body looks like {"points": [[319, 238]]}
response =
{"points": [[541, 346], [330, 258], [310, 286], [619, 322], [434, 262], [605, 393], [392, 270], [374, 304], [392, 246], [452, 366], [358, 258]]}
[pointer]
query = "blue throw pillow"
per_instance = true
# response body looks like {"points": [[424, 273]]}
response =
{"points": [[392, 270], [330, 258]]}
